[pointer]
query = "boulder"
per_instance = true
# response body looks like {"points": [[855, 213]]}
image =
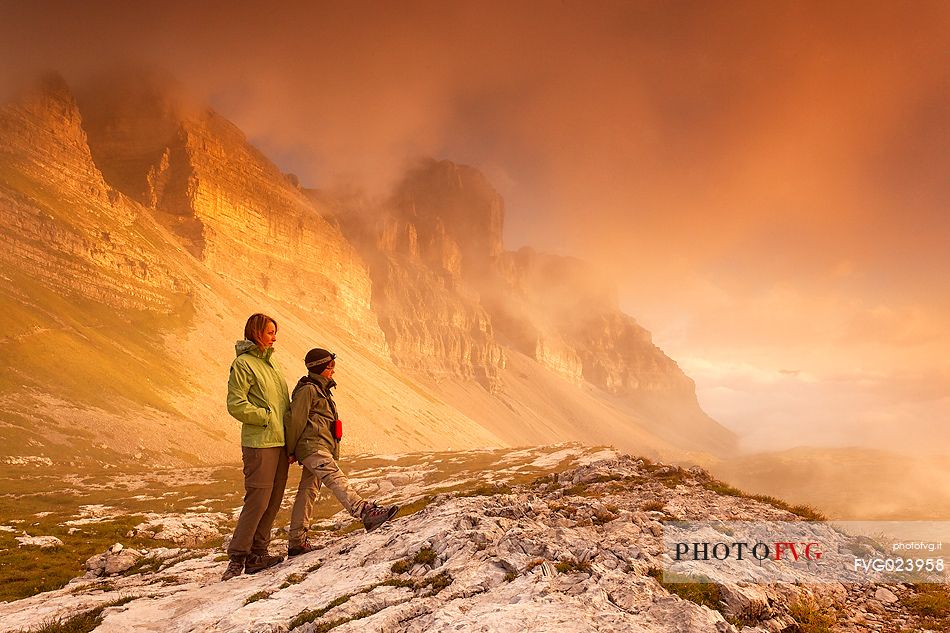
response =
{"points": [[186, 530], [43, 542], [114, 560]]}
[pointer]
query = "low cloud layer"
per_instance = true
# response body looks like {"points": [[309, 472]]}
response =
{"points": [[765, 181]]}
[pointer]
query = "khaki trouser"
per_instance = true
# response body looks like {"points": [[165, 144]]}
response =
{"points": [[320, 468], [265, 477]]}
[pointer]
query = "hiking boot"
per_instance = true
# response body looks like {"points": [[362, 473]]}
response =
{"points": [[304, 548], [235, 567], [260, 562], [373, 515]]}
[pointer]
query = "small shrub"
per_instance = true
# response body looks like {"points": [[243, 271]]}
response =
{"points": [[399, 582], [425, 556], [314, 568], [437, 583], [722, 488], [306, 616], [750, 615], [511, 576], [537, 562], [401, 566], [572, 566], [653, 506]]}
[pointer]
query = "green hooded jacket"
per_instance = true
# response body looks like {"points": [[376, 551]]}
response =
{"points": [[309, 425], [257, 396]]}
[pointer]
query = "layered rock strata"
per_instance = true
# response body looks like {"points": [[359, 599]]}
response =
{"points": [[64, 226], [228, 205]]}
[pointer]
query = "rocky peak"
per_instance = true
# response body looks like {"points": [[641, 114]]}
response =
{"points": [[455, 213], [42, 131]]}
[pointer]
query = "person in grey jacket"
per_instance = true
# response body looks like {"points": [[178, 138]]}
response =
{"points": [[313, 432]]}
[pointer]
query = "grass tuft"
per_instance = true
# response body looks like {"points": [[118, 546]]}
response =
{"points": [[293, 579], [572, 566], [694, 589], [82, 622], [254, 597], [812, 616], [425, 556], [931, 603]]}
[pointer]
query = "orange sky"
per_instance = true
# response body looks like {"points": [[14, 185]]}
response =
{"points": [[767, 181]]}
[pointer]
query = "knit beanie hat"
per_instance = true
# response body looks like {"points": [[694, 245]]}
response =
{"points": [[317, 359]]}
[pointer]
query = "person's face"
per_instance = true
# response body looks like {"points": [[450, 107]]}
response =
{"points": [[328, 372], [269, 336]]}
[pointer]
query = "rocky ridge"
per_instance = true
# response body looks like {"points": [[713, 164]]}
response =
{"points": [[579, 549]]}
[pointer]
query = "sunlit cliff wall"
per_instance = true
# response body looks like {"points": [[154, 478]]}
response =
{"points": [[63, 225], [229, 206]]}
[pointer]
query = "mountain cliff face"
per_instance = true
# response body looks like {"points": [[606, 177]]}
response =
{"points": [[227, 204], [141, 230], [423, 246], [440, 235], [64, 226]]}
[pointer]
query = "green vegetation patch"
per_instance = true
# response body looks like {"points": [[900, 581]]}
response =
{"points": [[931, 603], [573, 567], [425, 556], [293, 579], [254, 597], [26, 571], [695, 589]]}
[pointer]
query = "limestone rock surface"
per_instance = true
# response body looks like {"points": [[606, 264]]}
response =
{"points": [[576, 550]]}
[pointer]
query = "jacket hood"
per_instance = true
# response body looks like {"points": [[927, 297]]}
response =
{"points": [[250, 347]]}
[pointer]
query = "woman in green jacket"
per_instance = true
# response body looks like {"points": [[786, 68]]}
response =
{"points": [[258, 398]]}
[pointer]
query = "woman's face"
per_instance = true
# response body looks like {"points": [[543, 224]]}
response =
{"points": [[269, 336], [328, 372]]}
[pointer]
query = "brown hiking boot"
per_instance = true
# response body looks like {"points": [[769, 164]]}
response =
{"points": [[373, 515], [304, 548], [260, 562], [235, 567]]}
